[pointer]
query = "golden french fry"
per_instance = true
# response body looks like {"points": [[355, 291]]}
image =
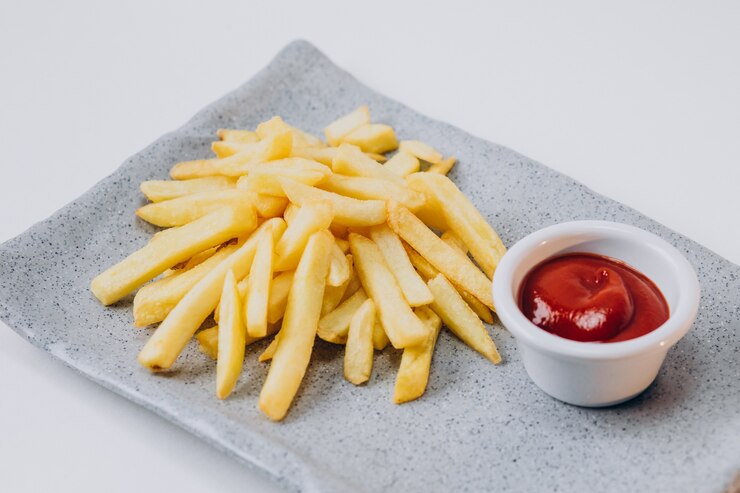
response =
{"points": [[231, 335], [168, 341], [323, 155], [403, 164], [413, 287], [443, 167], [159, 190], [268, 206], [360, 187], [260, 279], [188, 208], [463, 218], [334, 325], [350, 160], [347, 211], [201, 257], [290, 213], [276, 125], [208, 341], [402, 326], [274, 147], [333, 295], [346, 124], [170, 248], [339, 267], [372, 137], [423, 151], [297, 334], [460, 319], [456, 266], [413, 373], [428, 271], [223, 148], [380, 338], [243, 136], [155, 300], [377, 157], [358, 353], [342, 244], [265, 182], [279, 290], [312, 217]]}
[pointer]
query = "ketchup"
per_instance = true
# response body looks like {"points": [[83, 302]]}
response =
{"points": [[591, 298]]}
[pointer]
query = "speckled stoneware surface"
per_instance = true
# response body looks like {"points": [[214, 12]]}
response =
{"points": [[479, 427]]}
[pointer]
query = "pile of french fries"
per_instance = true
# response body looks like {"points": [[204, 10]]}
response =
{"points": [[283, 235]]}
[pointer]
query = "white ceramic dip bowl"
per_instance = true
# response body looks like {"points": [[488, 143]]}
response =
{"points": [[591, 373]]}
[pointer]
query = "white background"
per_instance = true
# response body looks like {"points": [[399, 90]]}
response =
{"points": [[638, 100]]}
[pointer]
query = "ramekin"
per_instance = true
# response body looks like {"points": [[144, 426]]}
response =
{"points": [[589, 373]]}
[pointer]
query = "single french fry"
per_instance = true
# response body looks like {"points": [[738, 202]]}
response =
{"points": [[427, 271], [350, 160], [443, 167], [279, 290], [346, 124], [276, 125], [269, 206], [290, 213], [260, 279], [358, 353], [403, 164], [333, 295], [360, 187], [223, 148], [274, 147], [159, 190], [208, 341], [188, 208], [155, 300], [413, 287], [460, 319], [347, 211], [334, 325], [380, 338], [372, 137], [231, 135], [298, 331], [339, 267], [456, 266], [402, 326], [261, 178], [172, 247], [423, 151], [168, 341], [231, 334], [312, 217], [413, 373], [463, 218]]}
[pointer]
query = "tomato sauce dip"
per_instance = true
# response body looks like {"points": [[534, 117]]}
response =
{"points": [[591, 298]]}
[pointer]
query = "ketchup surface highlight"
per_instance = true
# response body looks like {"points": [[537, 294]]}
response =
{"points": [[591, 298]]}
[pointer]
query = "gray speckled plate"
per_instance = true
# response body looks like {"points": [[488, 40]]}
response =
{"points": [[478, 427]]}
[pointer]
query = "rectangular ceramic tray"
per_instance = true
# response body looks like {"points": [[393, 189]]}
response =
{"points": [[478, 427]]}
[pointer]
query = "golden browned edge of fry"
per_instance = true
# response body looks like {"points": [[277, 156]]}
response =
{"points": [[358, 352], [443, 167], [380, 338], [457, 267], [421, 150], [461, 319], [298, 332], [346, 124], [416, 361]]}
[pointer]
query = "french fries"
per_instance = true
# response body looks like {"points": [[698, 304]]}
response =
{"points": [[448, 260], [461, 320], [171, 248], [413, 374], [231, 339], [402, 326], [358, 354], [293, 352], [281, 234]]}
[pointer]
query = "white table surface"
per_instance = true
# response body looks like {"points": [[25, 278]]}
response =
{"points": [[638, 100]]}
